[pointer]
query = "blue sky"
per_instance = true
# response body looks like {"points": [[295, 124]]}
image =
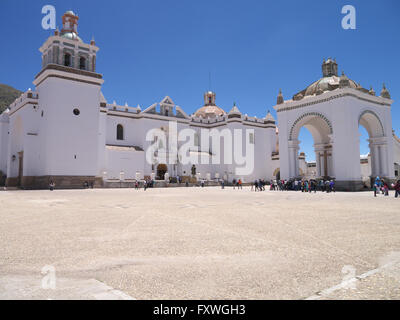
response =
{"points": [[150, 49]]}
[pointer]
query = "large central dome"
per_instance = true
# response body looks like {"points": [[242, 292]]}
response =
{"points": [[330, 81], [209, 110]]}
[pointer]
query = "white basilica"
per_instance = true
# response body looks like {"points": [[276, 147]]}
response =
{"points": [[66, 131]]}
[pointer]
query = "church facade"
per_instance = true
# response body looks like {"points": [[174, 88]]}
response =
{"points": [[67, 132]]}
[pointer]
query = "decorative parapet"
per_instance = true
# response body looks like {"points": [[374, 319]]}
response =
{"points": [[126, 108], [28, 97], [331, 95]]}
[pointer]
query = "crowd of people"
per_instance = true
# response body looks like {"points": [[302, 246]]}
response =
{"points": [[381, 187], [303, 185], [285, 185]]}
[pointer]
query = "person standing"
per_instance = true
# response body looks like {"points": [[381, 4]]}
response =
{"points": [[52, 185], [327, 186]]}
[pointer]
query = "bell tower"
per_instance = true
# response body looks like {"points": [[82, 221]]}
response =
{"points": [[67, 49], [70, 93], [70, 23]]}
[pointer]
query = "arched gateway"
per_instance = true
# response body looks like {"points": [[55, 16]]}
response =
{"points": [[332, 109]]}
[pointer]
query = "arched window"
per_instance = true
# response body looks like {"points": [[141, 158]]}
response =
{"points": [[120, 132], [82, 63], [67, 60]]}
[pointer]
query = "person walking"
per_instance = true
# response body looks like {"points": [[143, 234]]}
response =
{"points": [[378, 184], [385, 189], [375, 189], [255, 185], [240, 184], [332, 186], [145, 185], [397, 189], [52, 185], [321, 185]]}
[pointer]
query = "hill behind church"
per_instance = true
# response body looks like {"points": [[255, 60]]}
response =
{"points": [[7, 96]]}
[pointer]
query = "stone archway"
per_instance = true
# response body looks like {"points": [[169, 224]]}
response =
{"points": [[277, 174], [332, 108], [162, 169], [377, 142], [321, 130]]}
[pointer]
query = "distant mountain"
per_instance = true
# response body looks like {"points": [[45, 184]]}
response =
{"points": [[7, 96]]}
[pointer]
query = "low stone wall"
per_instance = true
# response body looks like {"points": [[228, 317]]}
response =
{"points": [[349, 186], [157, 184], [61, 182]]}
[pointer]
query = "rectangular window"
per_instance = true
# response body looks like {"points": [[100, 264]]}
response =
{"points": [[251, 138]]}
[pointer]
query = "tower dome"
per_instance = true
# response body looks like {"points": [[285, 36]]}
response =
{"points": [[210, 109], [329, 68], [70, 26]]}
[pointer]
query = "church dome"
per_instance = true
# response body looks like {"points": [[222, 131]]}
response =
{"points": [[210, 109], [209, 112], [329, 82], [71, 36]]}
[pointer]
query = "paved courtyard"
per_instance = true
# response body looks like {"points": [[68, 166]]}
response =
{"points": [[193, 243]]}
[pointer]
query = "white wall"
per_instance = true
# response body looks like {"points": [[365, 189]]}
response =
{"points": [[129, 162], [3, 142], [135, 131], [343, 114], [71, 141]]}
